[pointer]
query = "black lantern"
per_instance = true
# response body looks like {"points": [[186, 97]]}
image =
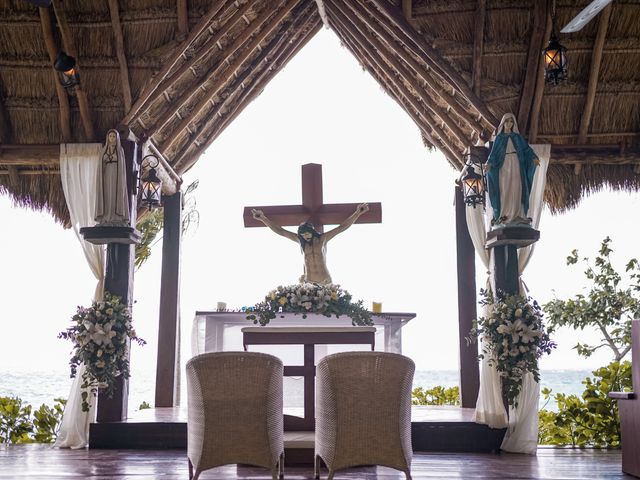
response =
{"points": [[150, 184], [65, 65], [473, 183], [555, 61]]}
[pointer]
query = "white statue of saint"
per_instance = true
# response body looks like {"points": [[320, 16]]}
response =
{"points": [[112, 198], [312, 243]]}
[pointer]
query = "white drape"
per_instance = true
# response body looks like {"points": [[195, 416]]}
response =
{"points": [[78, 169], [522, 422]]}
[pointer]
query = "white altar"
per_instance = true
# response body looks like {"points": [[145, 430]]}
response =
{"points": [[221, 331]]}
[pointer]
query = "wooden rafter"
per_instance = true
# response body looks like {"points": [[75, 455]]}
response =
{"points": [[534, 121], [248, 95], [432, 87], [362, 36], [5, 128], [118, 39], [175, 57], [183, 16], [63, 99], [70, 49], [407, 9], [596, 60], [358, 40], [213, 89], [236, 84], [418, 45], [478, 44], [536, 44], [210, 44]]}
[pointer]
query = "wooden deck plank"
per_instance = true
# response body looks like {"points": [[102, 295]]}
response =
{"points": [[44, 463]]}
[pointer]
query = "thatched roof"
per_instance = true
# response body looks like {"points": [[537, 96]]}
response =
{"points": [[178, 72]]}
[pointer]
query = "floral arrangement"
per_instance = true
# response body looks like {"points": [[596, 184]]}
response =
{"points": [[304, 298], [100, 336], [514, 338]]}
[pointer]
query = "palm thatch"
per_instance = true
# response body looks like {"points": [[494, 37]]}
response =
{"points": [[178, 72]]}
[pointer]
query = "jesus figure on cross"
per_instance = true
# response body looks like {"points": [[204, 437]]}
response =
{"points": [[312, 243]]}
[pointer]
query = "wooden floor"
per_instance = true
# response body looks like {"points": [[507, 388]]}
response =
{"points": [[42, 462]]}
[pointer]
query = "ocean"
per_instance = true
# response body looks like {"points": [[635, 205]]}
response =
{"points": [[38, 387]]}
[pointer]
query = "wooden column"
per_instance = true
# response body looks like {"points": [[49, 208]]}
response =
{"points": [[119, 281], [167, 388], [466, 263]]}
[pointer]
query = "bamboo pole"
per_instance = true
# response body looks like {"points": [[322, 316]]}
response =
{"points": [[63, 100], [217, 85], [346, 15], [408, 35], [533, 62], [122, 58], [431, 84], [596, 60], [248, 95], [177, 55], [210, 44], [183, 16], [70, 49], [478, 46]]}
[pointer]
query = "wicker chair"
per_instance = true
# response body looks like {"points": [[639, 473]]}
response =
{"points": [[363, 414], [235, 411]]}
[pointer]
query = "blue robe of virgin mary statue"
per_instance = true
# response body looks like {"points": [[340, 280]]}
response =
{"points": [[511, 167]]}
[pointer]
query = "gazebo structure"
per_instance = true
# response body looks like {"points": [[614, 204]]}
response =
{"points": [[171, 75]]}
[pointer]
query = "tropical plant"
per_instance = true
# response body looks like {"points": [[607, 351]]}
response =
{"points": [[590, 420], [513, 339], [304, 298], [101, 336], [15, 420], [46, 421], [608, 306], [437, 395]]}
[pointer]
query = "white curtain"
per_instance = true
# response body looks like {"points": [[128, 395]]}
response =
{"points": [[78, 168], [522, 422]]}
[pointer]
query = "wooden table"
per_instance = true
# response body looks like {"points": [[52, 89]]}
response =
{"points": [[309, 337]]}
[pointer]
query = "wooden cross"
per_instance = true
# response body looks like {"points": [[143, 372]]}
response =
{"points": [[312, 209]]}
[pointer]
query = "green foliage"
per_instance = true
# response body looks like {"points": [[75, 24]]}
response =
{"points": [[592, 419], [436, 396], [15, 420], [150, 225], [607, 306], [46, 421], [144, 406]]}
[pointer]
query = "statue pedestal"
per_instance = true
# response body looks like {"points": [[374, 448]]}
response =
{"points": [[505, 243], [105, 234]]}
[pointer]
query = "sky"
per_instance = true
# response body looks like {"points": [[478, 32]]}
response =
{"points": [[322, 108]]}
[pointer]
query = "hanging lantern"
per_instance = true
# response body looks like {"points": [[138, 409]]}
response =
{"points": [[473, 183], [555, 61], [65, 65], [150, 184]]}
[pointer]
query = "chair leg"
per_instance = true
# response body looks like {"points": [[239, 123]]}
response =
{"points": [[408, 474], [190, 469], [330, 477], [316, 467]]}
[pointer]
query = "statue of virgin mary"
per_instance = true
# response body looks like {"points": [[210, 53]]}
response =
{"points": [[112, 200], [510, 169]]}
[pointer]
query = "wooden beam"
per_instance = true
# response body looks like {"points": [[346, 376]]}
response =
{"points": [[14, 173], [534, 121], [210, 44], [118, 39], [419, 46], [70, 49], [177, 55], [5, 127], [247, 95], [533, 62], [594, 72], [63, 100], [363, 37], [212, 90], [14, 179], [478, 45], [30, 155], [183, 17], [407, 9]]}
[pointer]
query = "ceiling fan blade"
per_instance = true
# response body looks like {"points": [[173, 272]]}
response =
{"points": [[585, 16]]}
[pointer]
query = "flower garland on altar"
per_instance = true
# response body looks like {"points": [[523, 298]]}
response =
{"points": [[100, 336], [304, 298], [513, 339]]}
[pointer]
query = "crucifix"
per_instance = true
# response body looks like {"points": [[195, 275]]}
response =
{"points": [[311, 217]]}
